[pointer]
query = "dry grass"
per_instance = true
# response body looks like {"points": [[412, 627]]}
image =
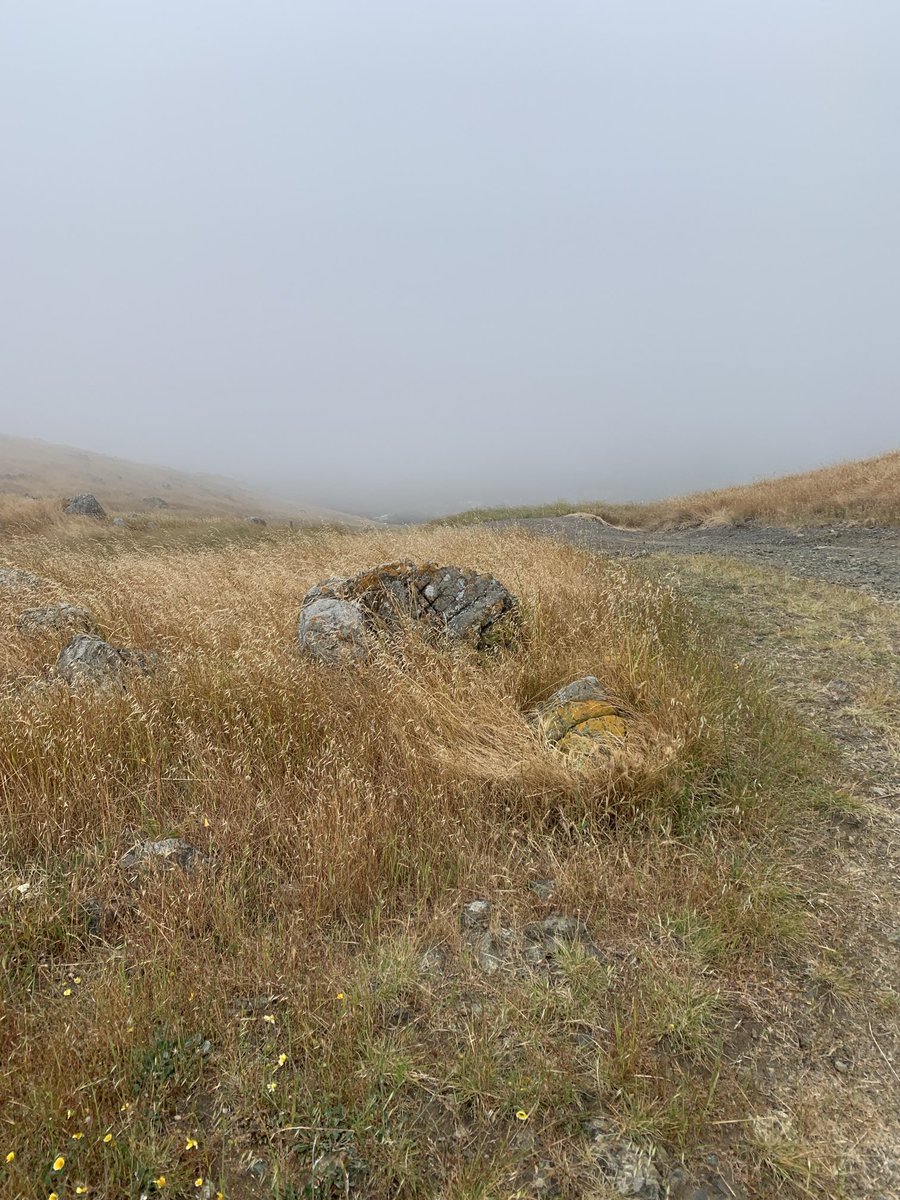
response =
{"points": [[867, 491], [347, 816]]}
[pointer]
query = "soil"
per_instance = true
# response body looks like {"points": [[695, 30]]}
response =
{"points": [[850, 555]]}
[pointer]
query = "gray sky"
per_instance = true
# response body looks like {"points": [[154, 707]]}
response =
{"points": [[412, 253]]}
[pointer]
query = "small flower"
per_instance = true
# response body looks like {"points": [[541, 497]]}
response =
{"points": [[271, 1086], [160, 1181], [124, 1107], [80, 1190], [190, 1144], [340, 996], [269, 1019], [53, 1196], [67, 991], [198, 1182], [206, 822], [77, 979], [77, 1136], [11, 1156], [58, 1163], [107, 1137], [282, 1059], [521, 1115]]}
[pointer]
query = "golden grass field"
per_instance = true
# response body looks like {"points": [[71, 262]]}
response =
{"points": [[866, 491], [301, 1014]]}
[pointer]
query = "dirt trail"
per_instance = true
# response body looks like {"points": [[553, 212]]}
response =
{"points": [[825, 1043], [855, 557]]}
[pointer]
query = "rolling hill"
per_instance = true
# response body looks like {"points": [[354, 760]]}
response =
{"points": [[33, 468]]}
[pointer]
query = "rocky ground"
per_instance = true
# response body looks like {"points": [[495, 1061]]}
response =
{"points": [[817, 609], [848, 555]]}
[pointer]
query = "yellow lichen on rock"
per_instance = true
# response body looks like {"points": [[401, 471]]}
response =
{"points": [[559, 721], [592, 734]]}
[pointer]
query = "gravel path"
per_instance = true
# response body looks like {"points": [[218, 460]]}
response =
{"points": [[855, 557]]}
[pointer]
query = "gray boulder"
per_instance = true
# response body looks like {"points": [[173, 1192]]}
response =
{"points": [[56, 617], [13, 579], [85, 505], [463, 605], [89, 659]]}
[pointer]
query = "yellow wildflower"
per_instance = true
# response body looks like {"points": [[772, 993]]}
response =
{"points": [[107, 1138], [77, 1136], [80, 1190], [198, 1182], [11, 1156], [190, 1144], [282, 1059], [269, 1019], [77, 979], [521, 1115], [67, 991], [340, 996], [271, 1086], [160, 1181], [53, 1196], [58, 1163]]}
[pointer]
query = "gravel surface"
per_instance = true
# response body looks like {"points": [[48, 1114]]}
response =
{"points": [[851, 556]]}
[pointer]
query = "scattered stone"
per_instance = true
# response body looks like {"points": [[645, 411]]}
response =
{"points": [[464, 605], [257, 520], [434, 959], [155, 502], [88, 658], [580, 719], [626, 1166], [16, 580], [332, 631], [168, 851], [85, 505], [840, 1065], [476, 914], [56, 617], [120, 522], [543, 888], [493, 950]]}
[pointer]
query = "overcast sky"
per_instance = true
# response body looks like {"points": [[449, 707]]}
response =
{"points": [[414, 253]]}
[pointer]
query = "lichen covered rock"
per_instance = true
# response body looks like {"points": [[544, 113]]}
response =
{"points": [[466, 606], [581, 719], [89, 659], [52, 618], [85, 505]]}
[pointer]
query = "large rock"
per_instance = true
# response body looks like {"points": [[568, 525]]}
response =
{"points": [[463, 605], [581, 720], [53, 618], [89, 659], [85, 505]]}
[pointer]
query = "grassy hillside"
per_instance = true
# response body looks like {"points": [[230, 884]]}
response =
{"points": [[865, 491], [31, 468], [302, 1013]]}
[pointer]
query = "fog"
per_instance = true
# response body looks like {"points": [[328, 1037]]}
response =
{"points": [[411, 255]]}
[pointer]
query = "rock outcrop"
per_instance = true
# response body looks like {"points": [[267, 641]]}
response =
{"points": [[89, 659], [463, 605], [581, 719], [12, 579], [85, 505], [53, 618]]}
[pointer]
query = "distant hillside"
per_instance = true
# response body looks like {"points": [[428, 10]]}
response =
{"points": [[30, 467], [866, 491]]}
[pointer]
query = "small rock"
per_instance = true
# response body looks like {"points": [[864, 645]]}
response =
{"points": [[55, 617], [88, 658], [168, 851], [120, 522], [628, 1167], [543, 888], [475, 914], [434, 959], [85, 505], [16, 580], [581, 720], [256, 520], [492, 950], [155, 502], [840, 1065]]}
